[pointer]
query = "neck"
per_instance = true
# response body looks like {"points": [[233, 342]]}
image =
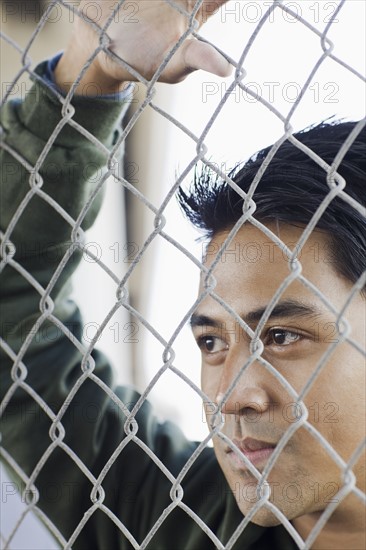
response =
{"points": [[346, 528]]}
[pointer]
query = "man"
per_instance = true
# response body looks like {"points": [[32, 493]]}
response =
{"points": [[117, 474]]}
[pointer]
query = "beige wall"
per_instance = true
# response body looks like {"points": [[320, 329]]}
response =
{"points": [[20, 27]]}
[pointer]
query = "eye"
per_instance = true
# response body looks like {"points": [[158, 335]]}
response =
{"points": [[211, 344], [282, 337]]}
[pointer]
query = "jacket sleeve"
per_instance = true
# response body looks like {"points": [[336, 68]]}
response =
{"points": [[54, 397]]}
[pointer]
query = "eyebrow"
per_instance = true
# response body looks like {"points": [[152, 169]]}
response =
{"points": [[287, 308]]}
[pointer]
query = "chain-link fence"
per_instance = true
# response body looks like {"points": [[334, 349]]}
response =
{"points": [[276, 326]]}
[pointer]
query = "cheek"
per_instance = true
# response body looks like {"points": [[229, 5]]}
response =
{"points": [[210, 381], [337, 401]]}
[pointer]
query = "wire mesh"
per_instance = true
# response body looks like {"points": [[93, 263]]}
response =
{"points": [[94, 499]]}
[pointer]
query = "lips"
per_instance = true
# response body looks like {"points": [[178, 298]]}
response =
{"points": [[249, 444], [257, 451]]}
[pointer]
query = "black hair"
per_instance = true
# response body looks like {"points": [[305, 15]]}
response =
{"points": [[290, 190]]}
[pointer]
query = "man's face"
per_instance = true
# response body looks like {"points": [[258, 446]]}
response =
{"points": [[300, 330]]}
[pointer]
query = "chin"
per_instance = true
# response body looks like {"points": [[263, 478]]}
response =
{"points": [[266, 518], [263, 518]]}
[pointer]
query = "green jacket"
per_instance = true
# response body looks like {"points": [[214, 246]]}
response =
{"points": [[37, 379]]}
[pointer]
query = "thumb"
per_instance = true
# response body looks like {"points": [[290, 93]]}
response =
{"points": [[200, 55]]}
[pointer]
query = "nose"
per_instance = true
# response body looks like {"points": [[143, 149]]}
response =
{"points": [[244, 388]]}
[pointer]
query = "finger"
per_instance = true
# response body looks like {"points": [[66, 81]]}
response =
{"points": [[200, 55]]}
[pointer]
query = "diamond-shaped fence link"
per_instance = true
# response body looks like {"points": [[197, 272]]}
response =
{"points": [[93, 505]]}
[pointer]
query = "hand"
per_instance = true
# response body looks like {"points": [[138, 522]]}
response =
{"points": [[142, 33]]}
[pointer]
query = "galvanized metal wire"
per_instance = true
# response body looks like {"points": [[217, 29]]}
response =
{"points": [[20, 370]]}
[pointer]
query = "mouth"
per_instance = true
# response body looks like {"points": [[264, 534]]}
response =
{"points": [[255, 450]]}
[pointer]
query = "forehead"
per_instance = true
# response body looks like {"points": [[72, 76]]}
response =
{"points": [[252, 267]]}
